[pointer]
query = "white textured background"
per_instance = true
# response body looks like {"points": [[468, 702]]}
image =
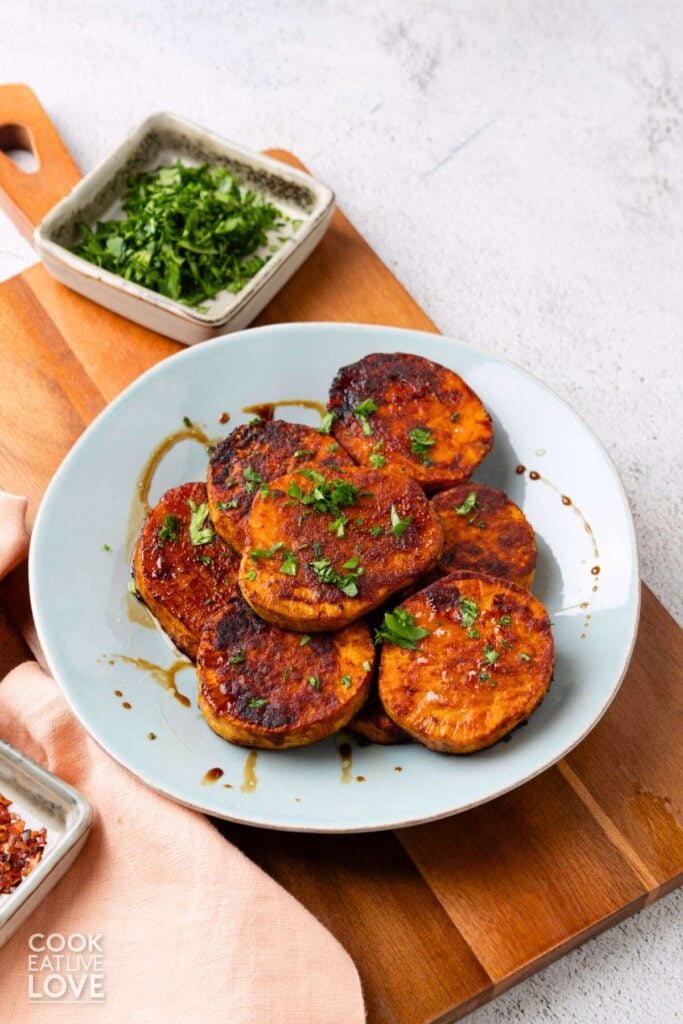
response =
{"points": [[519, 165]]}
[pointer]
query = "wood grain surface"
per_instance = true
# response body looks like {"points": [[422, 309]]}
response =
{"points": [[441, 917]]}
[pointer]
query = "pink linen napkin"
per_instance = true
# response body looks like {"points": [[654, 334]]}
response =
{"points": [[191, 929]]}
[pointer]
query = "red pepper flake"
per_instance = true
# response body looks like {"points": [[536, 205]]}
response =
{"points": [[20, 847]]}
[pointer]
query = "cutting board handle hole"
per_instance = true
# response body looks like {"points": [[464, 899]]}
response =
{"points": [[16, 142]]}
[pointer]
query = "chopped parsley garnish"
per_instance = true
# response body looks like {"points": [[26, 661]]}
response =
{"points": [[376, 531], [468, 612], [334, 447], [346, 682], [377, 460], [481, 524], [326, 496], [484, 676], [314, 681], [338, 525], [188, 422], [257, 553], [224, 506], [252, 479], [525, 657], [362, 411], [251, 575], [421, 441], [169, 529], [473, 634], [399, 628], [132, 589], [491, 655], [237, 658], [467, 505], [304, 639], [205, 559], [200, 533], [289, 563], [326, 424], [105, 547], [455, 416], [506, 620], [303, 453], [347, 583], [257, 702], [187, 233], [398, 525]]}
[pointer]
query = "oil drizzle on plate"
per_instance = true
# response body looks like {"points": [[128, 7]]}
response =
{"points": [[138, 612], [346, 756], [568, 503], [140, 504], [165, 676], [249, 777], [266, 410], [212, 776]]}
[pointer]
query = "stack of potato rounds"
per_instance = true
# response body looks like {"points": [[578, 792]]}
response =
{"points": [[353, 576]]}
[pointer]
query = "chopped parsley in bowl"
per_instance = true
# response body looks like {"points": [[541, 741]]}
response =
{"points": [[188, 233]]}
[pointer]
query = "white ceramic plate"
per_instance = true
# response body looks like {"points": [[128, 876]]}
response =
{"points": [[587, 577]]}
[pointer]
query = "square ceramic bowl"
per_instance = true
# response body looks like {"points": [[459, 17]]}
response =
{"points": [[43, 801], [164, 139]]}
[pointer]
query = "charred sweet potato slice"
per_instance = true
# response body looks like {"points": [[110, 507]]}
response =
{"points": [[481, 668], [182, 570], [485, 532], [405, 412], [261, 686], [325, 548], [373, 723], [252, 455]]}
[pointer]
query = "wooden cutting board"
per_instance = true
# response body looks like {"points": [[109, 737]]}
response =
{"points": [[438, 918]]}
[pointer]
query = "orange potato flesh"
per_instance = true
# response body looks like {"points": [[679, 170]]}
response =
{"points": [[281, 524], [264, 450], [373, 723], [491, 536], [411, 393], [260, 686], [182, 584], [472, 679]]}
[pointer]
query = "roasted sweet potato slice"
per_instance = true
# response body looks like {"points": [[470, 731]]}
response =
{"points": [[252, 455], [182, 570], [261, 686], [323, 548], [481, 662], [407, 413], [485, 532], [373, 723]]}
